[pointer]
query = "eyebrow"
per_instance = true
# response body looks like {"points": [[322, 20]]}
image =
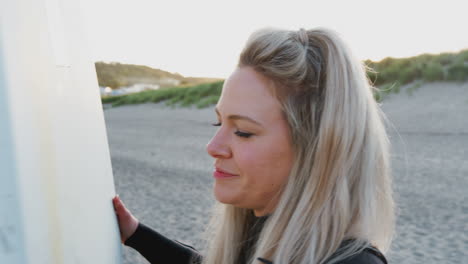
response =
{"points": [[240, 117]]}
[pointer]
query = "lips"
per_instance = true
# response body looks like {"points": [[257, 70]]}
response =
{"points": [[219, 173]]}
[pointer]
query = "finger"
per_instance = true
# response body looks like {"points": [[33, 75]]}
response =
{"points": [[115, 202], [118, 204], [121, 211]]}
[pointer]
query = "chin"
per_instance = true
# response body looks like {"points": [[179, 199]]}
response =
{"points": [[226, 195]]}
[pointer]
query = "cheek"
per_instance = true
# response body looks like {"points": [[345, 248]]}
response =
{"points": [[264, 165]]}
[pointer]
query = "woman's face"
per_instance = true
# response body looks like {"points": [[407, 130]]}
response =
{"points": [[252, 145]]}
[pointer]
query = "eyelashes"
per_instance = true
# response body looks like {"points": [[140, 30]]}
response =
{"points": [[238, 133], [243, 134]]}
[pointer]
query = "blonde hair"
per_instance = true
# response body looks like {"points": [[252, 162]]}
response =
{"points": [[339, 187]]}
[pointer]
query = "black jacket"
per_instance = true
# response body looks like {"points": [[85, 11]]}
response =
{"points": [[156, 248]]}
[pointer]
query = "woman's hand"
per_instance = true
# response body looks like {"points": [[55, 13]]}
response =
{"points": [[127, 222]]}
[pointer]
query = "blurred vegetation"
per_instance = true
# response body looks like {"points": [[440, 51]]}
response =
{"points": [[116, 75], [388, 76], [201, 95]]}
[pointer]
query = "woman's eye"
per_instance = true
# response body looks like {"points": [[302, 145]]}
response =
{"points": [[238, 133], [243, 134]]}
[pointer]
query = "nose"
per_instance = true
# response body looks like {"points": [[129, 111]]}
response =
{"points": [[218, 147]]}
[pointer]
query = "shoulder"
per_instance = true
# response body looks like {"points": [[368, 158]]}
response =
{"points": [[368, 256]]}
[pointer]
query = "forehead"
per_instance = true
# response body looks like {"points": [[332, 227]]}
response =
{"points": [[248, 92]]}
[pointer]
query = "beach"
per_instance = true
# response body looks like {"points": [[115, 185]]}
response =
{"points": [[164, 175]]}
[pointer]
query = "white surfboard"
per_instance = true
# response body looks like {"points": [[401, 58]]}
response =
{"points": [[56, 180]]}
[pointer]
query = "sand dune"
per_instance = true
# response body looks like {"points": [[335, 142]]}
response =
{"points": [[163, 173]]}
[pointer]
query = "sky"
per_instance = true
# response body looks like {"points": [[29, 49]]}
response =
{"points": [[203, 38]]}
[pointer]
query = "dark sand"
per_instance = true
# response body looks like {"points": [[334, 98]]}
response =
{"points": [[163, 173]]}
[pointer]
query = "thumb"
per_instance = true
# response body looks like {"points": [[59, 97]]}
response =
{"points": [[119, 207]]}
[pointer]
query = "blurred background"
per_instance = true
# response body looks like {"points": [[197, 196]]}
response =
{"points": [[161, 66]]}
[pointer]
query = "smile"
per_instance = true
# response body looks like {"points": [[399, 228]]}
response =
{"points": [[219, 174]]}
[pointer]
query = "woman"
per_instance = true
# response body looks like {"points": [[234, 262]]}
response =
{"points": [[301, 161]]}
